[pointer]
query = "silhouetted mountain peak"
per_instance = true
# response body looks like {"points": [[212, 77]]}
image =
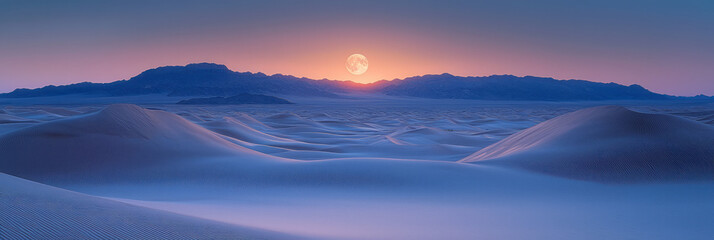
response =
{"points": [[216, 80], [510, 87], [189, 67], [212, 66]]}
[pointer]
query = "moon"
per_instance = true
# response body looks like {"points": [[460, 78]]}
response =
{"points": [[357, 64]]}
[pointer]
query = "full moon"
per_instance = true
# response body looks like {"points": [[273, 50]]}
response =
{"points": [[357, 64]]}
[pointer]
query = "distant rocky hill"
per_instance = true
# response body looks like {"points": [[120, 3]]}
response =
{"points": [[201, 79], [209, 79], [508, 87], [245, 98]]}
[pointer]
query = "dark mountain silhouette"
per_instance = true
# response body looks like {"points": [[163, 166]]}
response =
{"points": [[508, 87], [200, 79], [214, 80], [245, 98]]}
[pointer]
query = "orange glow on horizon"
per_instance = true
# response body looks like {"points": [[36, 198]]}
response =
{"points": [[320, 53], [391, 55]]}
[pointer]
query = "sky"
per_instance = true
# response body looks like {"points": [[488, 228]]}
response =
{"points": [[665, 46]]}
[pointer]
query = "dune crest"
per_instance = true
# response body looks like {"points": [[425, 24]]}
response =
{"points": [[609, 144], [121, 136]]}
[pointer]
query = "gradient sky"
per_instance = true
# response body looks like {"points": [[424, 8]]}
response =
{"points": [[666, 46]]}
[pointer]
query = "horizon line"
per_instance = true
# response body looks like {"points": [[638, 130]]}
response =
{"points": [[348, 81]]}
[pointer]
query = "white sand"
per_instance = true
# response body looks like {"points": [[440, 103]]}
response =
{"points": [[30, 210], [610, 143], [359, 171]]}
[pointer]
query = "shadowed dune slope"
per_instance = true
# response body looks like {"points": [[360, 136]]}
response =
{"points": [[430, 136], [239, 130], [6, 118], [609, 144], [233, 128], [121, 136], [30, 210]]}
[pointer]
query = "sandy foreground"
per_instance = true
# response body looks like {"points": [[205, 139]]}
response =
{"points": [[358, 170]]}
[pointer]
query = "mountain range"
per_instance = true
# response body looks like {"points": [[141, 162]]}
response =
{"points": [[215, 80]]}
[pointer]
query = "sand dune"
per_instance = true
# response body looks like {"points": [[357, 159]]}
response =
{"points": [[414, 135], [38, 114], [6, 118], [610, 144], [364, 172], [120, 137], [239, 130], [250, 121], [30, 210], [289, 120], [705, 116]]}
